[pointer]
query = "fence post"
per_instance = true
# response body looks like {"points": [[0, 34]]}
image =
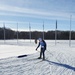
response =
{"points": [[17, 33], [56, 33], [43, 30], [70, 31], [30, 32], [4, 31]]}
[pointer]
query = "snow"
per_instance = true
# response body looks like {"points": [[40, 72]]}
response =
{"points": [[9, 48], [60, 58]]}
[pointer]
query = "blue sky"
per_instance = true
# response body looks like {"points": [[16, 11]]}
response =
{"points": [[36, 12]]}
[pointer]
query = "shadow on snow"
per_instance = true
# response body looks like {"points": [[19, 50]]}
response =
{"points": [[62, 65]]}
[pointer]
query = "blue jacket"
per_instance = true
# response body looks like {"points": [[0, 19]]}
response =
{"points": [[42, 44]]}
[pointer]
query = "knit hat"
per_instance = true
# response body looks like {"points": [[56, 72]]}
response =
{"points": [[40, 39]]}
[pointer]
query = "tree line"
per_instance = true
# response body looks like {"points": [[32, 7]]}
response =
{"points": [[11, 34]]}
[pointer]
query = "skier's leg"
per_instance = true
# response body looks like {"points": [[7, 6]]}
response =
{"points": [[40, 54], [43, 54]]}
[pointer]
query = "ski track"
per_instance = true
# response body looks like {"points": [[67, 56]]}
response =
{"points": [[29, 66], [58, 61]]}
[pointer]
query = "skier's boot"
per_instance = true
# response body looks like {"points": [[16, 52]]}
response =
{"points": [[43, 59], [39, 57]]}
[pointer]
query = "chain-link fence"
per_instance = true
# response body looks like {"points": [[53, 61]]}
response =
{"points": [[32, 31]]}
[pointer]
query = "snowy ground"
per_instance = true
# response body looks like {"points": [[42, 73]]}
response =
{"points": [[11, 48], [60, 59]]}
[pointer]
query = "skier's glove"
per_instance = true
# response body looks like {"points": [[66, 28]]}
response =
{"points": [[36, 49]]}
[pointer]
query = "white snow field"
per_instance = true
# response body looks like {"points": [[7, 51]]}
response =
{"points": [[60, 59]]}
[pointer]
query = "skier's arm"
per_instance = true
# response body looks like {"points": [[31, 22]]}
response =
{"points": [[38, 46]]}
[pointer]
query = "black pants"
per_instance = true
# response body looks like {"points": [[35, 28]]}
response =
{"points": [[42, 52]]}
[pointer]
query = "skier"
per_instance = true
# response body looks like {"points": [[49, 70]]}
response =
{"points": [[42, 43]]}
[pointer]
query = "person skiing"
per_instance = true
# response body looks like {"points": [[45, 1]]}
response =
{"points": [[42, 43]]}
